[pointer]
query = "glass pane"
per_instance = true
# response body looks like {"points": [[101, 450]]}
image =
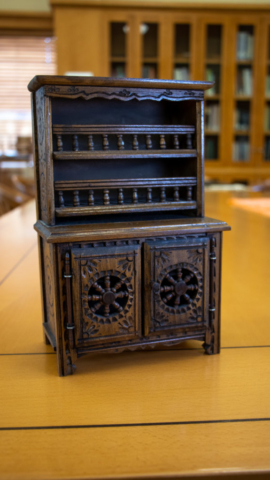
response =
{"points": [[242, 116], [267, 149], [241, 148], [211, 147], [213, 42], [118, 39], [149, 70], [244, 80], [212, 116], [213, 75], [118, 69], [182, 38], [181, 71], [245, 42], [150, 39]]}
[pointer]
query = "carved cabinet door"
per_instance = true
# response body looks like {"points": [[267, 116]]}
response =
{"points": [[176, 284], [106, 293]]}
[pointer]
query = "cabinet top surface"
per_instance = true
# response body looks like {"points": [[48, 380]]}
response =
{"points": [[40, 80]]}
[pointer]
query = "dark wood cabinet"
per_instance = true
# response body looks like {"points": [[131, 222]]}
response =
{"points": [[127, 258]]}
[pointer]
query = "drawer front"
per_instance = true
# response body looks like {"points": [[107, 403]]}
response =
{"points": [[176, 284], [106, 293]]}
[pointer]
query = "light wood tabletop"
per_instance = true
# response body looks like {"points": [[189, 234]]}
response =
{"points": [[165, 413]]}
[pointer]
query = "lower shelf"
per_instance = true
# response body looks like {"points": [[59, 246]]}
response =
{"points": [[109, 209]]}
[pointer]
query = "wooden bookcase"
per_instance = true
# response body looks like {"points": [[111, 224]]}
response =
{"points": [[198, 43]]}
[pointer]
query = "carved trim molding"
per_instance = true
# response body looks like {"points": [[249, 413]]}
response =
{"points": [[125, 95]]}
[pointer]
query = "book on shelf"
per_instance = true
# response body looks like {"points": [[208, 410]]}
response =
{"points": [[118, 71], [267, 149], [211, 148], [211, 77], [212, 117], [245, 42], [149, 71], [267, 86], [244, 81], [181, 73], [267, 117], [241, 150], [242, 119]]}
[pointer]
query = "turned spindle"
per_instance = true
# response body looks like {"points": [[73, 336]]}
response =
{"points": [[149, 195], [176, 194], [59, 143], [189, 193], [176, 141], [76, 198], [106, 197], [135, 195], [75, 143], [135, 143], [91, 199], [120, 142], [90, 142], [189, 141], [162, 194], [162, 141], [61, 199], [148, 141], [120, 196], [105, 142]]}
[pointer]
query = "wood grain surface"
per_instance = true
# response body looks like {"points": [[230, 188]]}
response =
{"points": [[166, 413]]}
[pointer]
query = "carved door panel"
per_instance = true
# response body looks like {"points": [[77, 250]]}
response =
{"points": [[176, 284], [106, 293]]}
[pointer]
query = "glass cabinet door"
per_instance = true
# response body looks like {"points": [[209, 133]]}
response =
{"points": [[213, 72], [150, 55], [118, 46], [243, 93], [181, 59]]}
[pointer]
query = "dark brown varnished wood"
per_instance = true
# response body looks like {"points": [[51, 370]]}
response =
{"points": [[118, 199]]}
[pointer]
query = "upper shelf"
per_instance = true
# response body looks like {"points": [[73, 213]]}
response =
{"points": [[122, 154]]}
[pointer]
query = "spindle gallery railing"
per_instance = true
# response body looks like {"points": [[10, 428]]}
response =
{"points": [[140, 196], [148, 131]]}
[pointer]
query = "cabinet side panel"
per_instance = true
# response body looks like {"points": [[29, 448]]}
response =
{"points": [[49, 288], [35, 153], [200, 157], [44, 157]]}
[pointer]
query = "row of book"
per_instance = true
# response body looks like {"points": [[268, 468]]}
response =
{"points": [[267, 118], [244, 81], [212, 77], [181, 73], [212, 116], [118, 70], [211, 148], [267, 149], [149, 71], [245, 43], [241, 150], [267, 86], [242, 119]]}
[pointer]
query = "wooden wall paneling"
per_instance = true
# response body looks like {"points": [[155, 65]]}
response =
{"points": [[79, 32], [37, 23]]}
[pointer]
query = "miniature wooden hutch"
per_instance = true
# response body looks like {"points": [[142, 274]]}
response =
{"points": [[127, 258]]}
